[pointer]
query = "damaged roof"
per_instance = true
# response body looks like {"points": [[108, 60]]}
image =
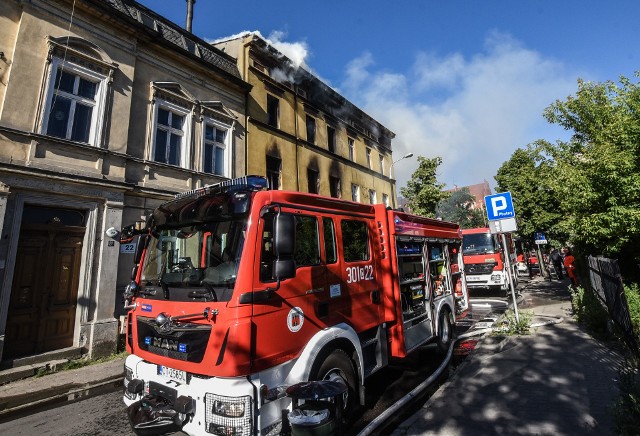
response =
{"points": [[174, 34]]}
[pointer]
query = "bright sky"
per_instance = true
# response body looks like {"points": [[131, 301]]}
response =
{"points": [[466, 80]]}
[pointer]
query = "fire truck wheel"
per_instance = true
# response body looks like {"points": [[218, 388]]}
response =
{"points": [[337, 366], [445, 332]]}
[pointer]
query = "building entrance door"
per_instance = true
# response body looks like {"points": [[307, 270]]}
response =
{"points": [[44, 294]]}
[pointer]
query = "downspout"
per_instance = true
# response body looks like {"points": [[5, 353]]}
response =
{"points": [[247, 118], [295, 120]]}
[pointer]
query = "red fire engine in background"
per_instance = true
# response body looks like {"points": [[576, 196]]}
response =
{"points": [[239, 292], [484, 260]]}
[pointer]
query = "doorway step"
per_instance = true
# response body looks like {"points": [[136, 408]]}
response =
{"points": [[24, 367]]}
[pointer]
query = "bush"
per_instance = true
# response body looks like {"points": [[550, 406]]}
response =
{"points": [[589, 311], [510, 326], [632, 292]]}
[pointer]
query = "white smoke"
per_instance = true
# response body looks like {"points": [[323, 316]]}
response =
{"points": [[472, 111], [297, 52]]}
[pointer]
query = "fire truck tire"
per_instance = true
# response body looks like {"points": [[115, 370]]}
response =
{"points": [[445, 332], [338, 366]]}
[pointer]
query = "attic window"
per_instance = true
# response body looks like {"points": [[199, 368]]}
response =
{"points": [[257, 65]]}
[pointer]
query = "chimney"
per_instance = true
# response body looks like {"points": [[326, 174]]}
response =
{"points": [[190, 4]]}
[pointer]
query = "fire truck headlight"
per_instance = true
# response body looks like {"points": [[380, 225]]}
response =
{"points": [[229, 410], [128, 373], [228, 415]]}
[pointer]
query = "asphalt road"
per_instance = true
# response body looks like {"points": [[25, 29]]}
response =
{"points": [[98, 416], [106, 414]]}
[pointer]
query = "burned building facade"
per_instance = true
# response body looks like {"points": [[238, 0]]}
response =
{"points": [[305, 136]]}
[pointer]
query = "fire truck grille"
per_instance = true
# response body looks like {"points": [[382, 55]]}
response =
{"points": [[479, 268], [187, 342]]}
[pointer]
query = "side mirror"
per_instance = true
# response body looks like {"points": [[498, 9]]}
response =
{"points": [[285, 243], [142, 244], [134, 273], [285, 269], [285, 235]]}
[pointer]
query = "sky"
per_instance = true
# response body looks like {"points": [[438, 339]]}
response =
{"points": [[465, 80]]}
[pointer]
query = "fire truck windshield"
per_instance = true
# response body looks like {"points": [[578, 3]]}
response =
{"points": [[198, 262], [479, 243]]}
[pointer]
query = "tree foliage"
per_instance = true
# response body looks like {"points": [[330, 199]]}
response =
{"points": [[599, 169], [460, 208], [529, 175], [586, 190], [423, 192]]}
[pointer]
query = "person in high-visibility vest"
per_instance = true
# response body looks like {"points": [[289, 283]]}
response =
{"points": [[569, 266]]}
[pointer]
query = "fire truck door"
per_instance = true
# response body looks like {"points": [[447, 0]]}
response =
{"points": [[352, 281], [415, 294], [287, 321]]}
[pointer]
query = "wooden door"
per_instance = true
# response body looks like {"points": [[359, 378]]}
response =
{"points": [[42, 308]]}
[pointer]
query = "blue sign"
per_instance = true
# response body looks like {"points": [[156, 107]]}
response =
{"points": [[540, 238], [499, 206]]}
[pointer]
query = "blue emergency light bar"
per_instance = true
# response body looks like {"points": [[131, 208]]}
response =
{"points": [[250, 183]]}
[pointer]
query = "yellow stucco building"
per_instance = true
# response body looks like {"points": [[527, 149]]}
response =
{"points": [[305, 136]]}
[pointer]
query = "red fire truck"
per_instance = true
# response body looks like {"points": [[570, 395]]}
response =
{"points": [[239, 292], [484, 260]]}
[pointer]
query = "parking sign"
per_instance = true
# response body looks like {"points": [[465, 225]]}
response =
{"points": [[499, 206], [540, 238]]}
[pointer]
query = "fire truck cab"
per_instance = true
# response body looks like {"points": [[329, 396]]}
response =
{"points": [[484, 260], [239, 292]]}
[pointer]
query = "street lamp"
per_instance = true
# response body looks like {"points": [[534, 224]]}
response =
{"points": [[406, 156]]}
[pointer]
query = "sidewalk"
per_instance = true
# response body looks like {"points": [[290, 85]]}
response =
{"points": [[23, 396], [556, 381]]}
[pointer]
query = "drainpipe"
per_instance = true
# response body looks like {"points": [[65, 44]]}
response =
{"points": [[246, 48], [295, 120]]}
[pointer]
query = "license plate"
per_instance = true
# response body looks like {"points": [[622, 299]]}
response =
{"points": [[172, 374], [473, 279]]}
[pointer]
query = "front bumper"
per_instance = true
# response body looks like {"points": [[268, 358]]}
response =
{"points": [[487, 281], [157, 405]]}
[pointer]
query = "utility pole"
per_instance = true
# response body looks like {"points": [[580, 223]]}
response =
{"points": [[190, 4]]}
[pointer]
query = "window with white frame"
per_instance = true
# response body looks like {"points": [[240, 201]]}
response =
{"points": [[355, 192], [171, 123], [385, 200], [369, 158], [352, 149], [74, 108], [216, 159], [381, 158], [373, 198]]}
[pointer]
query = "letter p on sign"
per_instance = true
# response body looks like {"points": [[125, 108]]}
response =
{"points": [[499, 206]]}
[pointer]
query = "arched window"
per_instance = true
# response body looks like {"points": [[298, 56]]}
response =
{"points": [[77, 90]]}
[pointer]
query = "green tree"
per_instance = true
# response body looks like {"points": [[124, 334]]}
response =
{"points": [[459, 208], [599, 168], [423, 192], [530, 176]]}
